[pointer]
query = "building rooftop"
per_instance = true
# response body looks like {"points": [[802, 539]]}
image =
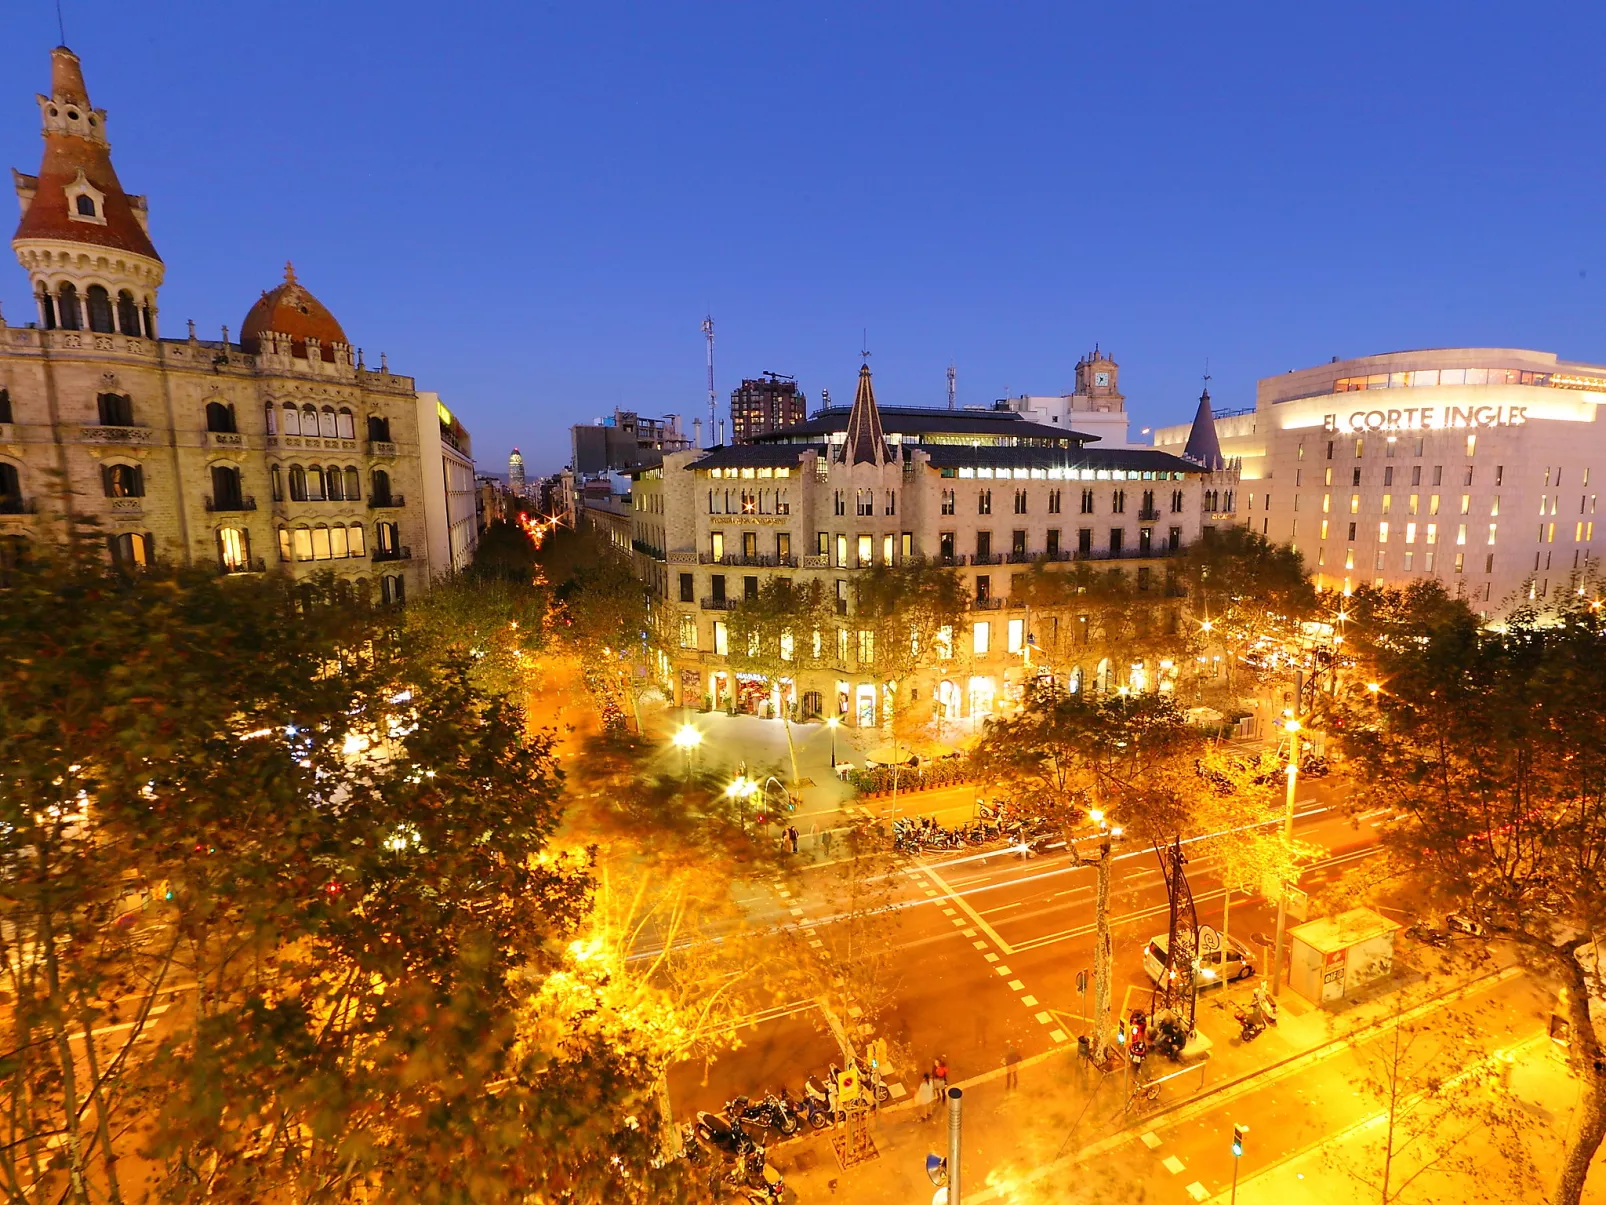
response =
{"points": [[915, 423]]}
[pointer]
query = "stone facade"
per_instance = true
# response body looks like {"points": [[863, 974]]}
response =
{"points": [[280, 452], [987, 493]]}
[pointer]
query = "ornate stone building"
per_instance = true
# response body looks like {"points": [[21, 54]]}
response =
{"points": [[988, 492], [279, 451]]}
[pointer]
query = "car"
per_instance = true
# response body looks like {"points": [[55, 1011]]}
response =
{"points": [[1238, 961]]}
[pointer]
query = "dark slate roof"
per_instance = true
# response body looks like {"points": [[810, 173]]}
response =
{"points": [[755, 456], [1147, 460], [1203, 444], [927, 420], [865, 442]]}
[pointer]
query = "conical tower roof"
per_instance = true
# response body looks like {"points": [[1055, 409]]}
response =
{"points": [[78, 161], [865, 442], [1203, 446]]}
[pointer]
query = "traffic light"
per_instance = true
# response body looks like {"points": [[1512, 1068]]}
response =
{"points": [[1238, 1133], [1120, 1031]]}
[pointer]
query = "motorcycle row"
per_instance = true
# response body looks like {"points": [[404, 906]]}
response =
{"points": [[737, 1132], [994, 826]]}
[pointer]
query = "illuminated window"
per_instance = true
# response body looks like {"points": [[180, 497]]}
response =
{"points": [[1388, 500], [1349, 558], [1472, 444], [866, 646], [886, 550], [1410, 533], [1433, 533], [721, 638], [1494, 506], [1324, 529], [1491, 532], [1460, 562], [1411, 504], [1327, 476], [1327, 503], [1461, 533], [1466, 504], [1433, 504], [1321, 556], [866, 550], [1017, 635], [1354, 504], [979, 639], [1383, 533]]}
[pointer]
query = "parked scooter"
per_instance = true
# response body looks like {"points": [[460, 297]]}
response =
{"points": [[816, 1103], [1250, 1024]]}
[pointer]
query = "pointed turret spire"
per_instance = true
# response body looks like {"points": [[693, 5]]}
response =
{"points": [[1203, 446], [865, 442]]}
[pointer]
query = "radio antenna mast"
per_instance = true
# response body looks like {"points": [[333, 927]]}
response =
{"points": [[950, 385], [708, 330]]}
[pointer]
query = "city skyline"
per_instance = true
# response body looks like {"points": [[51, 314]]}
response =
{"points": [[1151, 202]]}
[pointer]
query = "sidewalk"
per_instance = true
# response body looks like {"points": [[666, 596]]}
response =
{"points": [[1021, 1144]]}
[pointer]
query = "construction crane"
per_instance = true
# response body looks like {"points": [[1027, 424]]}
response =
{"points": [[950, 385], [713, 405]]}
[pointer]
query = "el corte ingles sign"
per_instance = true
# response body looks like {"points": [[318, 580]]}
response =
{"points": [[1427, 418]]}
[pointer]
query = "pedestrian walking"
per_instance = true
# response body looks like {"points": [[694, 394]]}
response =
{"points": [[939, 1075], [791, 835], [1011, 1068], [925, 1096], [825, 842]]}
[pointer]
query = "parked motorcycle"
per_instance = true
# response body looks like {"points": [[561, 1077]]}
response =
{"points": [[816, 1103], [1428, 934], [1250, 1024], [728, 1137], [769, 1113]]}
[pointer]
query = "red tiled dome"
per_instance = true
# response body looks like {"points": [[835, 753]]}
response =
{"points": [[291, 310]]}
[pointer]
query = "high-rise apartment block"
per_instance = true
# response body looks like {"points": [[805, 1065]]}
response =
{"points": [[765, 404]]}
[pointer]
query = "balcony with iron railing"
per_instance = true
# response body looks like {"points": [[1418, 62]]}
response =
{"points": [[719, 604], [401, 553], [251, 565], [752, 560], [385, 501], [986, 558], [227, 505], [1148, 514], [647, 549], [15, 504]]}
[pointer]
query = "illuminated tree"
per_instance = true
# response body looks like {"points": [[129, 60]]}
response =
{"points": [[1247, 594], [1488, 748], [779, 636]]}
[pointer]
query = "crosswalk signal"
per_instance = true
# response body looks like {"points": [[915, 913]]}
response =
{"points": [[1120, 1031], [1238, 1133]]}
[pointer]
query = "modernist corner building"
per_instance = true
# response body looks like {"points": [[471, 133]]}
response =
{"points": [[988, 492], [1477, 466], [278, 452]]}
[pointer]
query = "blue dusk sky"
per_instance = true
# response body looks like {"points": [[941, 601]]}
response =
{"points": [[531, 206]]}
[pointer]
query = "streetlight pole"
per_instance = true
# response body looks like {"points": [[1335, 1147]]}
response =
{"points": [[1292, 726], [831, 722], [955, 1096], [1103, 952]]}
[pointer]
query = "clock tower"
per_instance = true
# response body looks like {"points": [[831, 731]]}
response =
{"points": [[1096, 380]]}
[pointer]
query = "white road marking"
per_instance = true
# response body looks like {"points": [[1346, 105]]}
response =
{"points": [[968, 932], [1150, 1139], [990, 957], [979, 945], [1015, 985], [1173, 1165], [1057, 1034], [1198, 1191], [964, 906], [1044, 1018], [1003, 970], [1029, 1001]]}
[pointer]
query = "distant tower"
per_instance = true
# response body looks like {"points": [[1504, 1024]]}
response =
{"points": [[713, 403], [515, 473], [950, 386]]}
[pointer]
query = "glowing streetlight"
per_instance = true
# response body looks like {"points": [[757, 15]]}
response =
{"points": [[1096, 816], [687, 737], [1373, 688], [1207, 626]]}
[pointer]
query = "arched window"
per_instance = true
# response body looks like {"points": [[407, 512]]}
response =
{"points": [[314, 484], [123, 480], [220, 417], [309, 421], [276, 479], [234, 550], [380, 493], [378, 428], [150, 319], [337, 542], [47, 310], [115, 409], [298, 483], [385, 539], [286, 549], [67, 304], [326, 422], [345, 424], [353, 483], [100, 309], [131, 550], [292, 419], [270, 418], [86, 205], [392, 589], [320, 543], [226, 494], [335, 483], [127, 313], [303, 543], [10, 489], [356, 539]]}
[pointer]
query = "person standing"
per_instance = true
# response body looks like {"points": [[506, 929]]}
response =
{"points": [[925, 1096], [825, 843], [939, 1076], [1011, 1068], [791, 835]]}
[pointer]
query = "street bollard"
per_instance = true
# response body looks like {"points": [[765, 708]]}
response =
{"points": [[954, 1098]]}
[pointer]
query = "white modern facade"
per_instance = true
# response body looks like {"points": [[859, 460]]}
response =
{"points": [[1478, 466], [451, 498]]}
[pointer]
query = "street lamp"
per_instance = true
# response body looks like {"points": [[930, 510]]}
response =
{"points": [[831, 722], [1292, 726], [686, 739]]}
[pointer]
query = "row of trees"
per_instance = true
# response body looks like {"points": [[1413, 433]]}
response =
{"points": [[282, 913]]}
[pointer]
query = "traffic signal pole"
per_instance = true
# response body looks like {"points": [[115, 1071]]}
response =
{"points": [[1294, 739]]}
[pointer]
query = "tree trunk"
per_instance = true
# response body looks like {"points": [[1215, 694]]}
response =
{"points": [[786, 726], [1586, 1059], [668, 1133]]}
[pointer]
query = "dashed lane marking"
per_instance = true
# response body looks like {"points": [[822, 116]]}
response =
{"points": [[1045, 1018], [967, 932], [1029, 1001], [990, 957], [1015, 985], [964, 906], [979, 945], [1150, 1139], [1002, 970], [1173, 1165], [1058, 1035], [1198, 1191]]}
